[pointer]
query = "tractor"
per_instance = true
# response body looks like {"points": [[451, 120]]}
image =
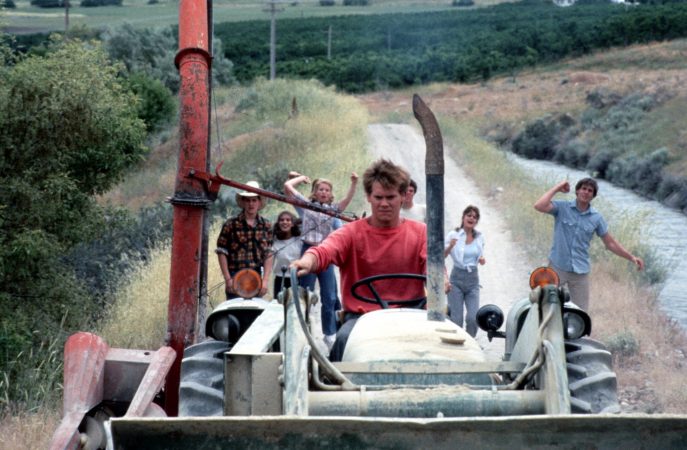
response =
{"points": [[409, 378]]}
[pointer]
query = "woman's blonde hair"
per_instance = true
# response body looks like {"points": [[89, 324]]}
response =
{"points": [[315, 184]]}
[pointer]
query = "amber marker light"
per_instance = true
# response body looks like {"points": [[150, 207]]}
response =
{"points": [[247, 283], [541, 276]]}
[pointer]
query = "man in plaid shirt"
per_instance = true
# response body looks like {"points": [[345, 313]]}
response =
{"points": [[245, 242]]}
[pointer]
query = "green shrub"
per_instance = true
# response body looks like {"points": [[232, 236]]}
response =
{"points": [[69, 131], [101, 262], [9, 4], [157, 105], [673, 192], [643, 175], [327, 3], [572, 154], [599, 162], [538, 140], [649, 172], [356, 2], [147, 51], [655, 268], [151, 51], [602, 98], [463, 3], [623, 344]]}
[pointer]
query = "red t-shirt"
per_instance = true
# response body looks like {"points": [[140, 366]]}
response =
{"points": [[361, 250]]}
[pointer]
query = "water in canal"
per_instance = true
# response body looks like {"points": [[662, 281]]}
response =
{"points": [[664, 229]]}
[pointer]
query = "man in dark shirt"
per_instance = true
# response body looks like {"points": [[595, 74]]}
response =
{"points": [[245, 241]]}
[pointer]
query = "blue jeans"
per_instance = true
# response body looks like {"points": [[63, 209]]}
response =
{"points": [[342, 335], [464, 297], [328, 295]]}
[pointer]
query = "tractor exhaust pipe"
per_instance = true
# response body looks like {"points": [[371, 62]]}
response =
{"points": [[434, 170]]}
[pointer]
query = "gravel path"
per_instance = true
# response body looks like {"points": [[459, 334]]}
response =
{"points": [[504, 277]]}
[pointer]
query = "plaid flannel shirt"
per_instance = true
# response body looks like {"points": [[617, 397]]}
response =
{"points": [[245, 246]]}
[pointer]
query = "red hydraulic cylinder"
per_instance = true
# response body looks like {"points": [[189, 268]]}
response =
{"points": [[190, 200]]}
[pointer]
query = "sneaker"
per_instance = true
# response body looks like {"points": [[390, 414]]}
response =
{"points": [[329, 341]]}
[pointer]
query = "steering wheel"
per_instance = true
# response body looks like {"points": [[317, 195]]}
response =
{"points": [[418, 303]]}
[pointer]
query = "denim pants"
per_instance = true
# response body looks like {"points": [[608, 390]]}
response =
{"points": [[337, 351], [463, 298], [328, 295]]}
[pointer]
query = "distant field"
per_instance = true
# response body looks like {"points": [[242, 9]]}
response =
{"points": [[29, 19]]}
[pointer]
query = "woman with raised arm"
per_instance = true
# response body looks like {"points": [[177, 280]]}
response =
{"points": [[315, 227]]}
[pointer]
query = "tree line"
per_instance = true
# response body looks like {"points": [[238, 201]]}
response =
{"points": [[398, 50]]}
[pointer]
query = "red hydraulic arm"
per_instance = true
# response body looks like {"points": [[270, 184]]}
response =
{"points": [[214, 182], [190, 200]]}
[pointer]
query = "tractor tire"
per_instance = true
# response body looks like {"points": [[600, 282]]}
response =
{"points": [[201, 390], [593, 384]]}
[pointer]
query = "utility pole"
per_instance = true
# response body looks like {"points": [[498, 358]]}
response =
{"points": [[66, 15], [273, 10], [329, 43]]}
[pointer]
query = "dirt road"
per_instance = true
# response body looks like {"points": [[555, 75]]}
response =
{"points": [[505, 275]]}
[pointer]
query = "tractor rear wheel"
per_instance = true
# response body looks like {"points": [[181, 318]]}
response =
{"points": [[592, 382], [201, 390]]}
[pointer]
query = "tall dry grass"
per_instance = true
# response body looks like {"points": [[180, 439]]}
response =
{"points": [[137, 315], [138, 312], [23, 430], [648, 347]]}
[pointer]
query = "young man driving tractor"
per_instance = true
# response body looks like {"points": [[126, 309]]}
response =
{"points": [[383, 243]]}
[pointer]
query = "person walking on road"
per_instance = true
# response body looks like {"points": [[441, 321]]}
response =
{"points": [[575, 223], [466, 246]]}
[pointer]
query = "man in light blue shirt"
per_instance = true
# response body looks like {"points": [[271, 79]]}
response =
{"points": [[575, 224]]}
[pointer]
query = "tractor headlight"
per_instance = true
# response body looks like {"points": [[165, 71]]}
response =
{"points": [[489, 317], [226, 328], [576, 323]]}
